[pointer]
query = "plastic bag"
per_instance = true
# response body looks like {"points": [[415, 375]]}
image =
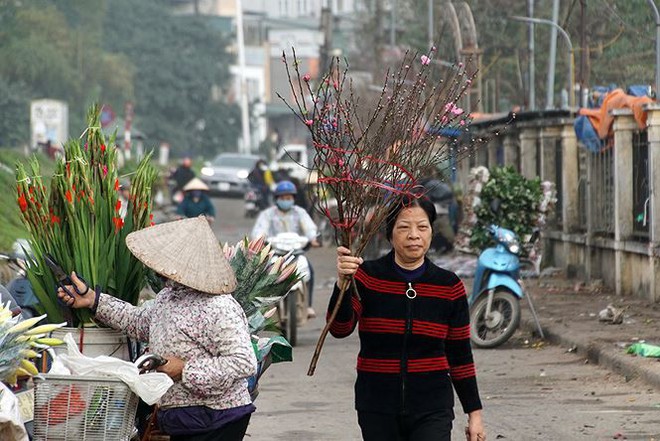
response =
{"points": [[11, 426], [644, 350], [150, 386]]}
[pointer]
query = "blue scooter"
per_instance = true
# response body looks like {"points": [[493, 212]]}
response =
{"points": [[498, 288]]}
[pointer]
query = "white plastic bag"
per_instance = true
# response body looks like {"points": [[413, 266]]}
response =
{"points": [[11, 426], [150, 387]]}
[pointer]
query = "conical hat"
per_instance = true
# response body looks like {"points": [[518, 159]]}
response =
{"points": [[195, 184], [187, 252]]}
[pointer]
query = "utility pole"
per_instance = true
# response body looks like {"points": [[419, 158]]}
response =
{"points": [[550, 93], [393, 24], [431, 31], [532, 67], [245, 115], [657, 47], [326, 30], [584, 50]]}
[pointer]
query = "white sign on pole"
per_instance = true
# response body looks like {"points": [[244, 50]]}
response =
{"points": [[49, 121]]}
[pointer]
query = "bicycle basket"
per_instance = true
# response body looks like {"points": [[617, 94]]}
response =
{"points": [[83, 409]]}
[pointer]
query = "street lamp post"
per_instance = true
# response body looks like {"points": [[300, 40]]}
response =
{"points": [[571, 61], [657, 47]]}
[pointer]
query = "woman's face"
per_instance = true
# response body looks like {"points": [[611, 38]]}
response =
{"points": [[411, 235]]}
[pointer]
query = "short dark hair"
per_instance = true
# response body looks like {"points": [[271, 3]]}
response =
{"points": [[421, 201]]}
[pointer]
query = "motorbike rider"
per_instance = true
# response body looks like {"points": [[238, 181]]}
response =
{"points": [[287, 217], [261, 178], [181, 176], [196, 201]]}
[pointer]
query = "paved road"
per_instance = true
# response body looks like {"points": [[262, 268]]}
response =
{"points": [[530, 391]]}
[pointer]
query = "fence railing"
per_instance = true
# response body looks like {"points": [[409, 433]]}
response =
{"points": [[641, 212], [600, 170]]}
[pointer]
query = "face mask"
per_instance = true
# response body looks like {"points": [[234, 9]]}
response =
{"points": [[263, 167], [284, 204], [196, 194]]}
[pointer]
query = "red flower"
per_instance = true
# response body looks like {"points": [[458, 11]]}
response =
{"points": [[118, 206], [54, 219], [22, 202], [119, 222], [68, 196], [152, 224], [31, 190], [116, 184], [151, 217], [103, 148]]}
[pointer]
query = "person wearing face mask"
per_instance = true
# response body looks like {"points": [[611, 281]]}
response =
{"points": [[196, 201], [287, 217]]}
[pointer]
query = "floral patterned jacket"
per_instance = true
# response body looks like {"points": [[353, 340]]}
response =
{"points": [[210, 332]]}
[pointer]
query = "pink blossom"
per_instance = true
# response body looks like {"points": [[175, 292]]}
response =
{"points": [[433, 49], [460, 65], [456, 110], [425, 60], [462, 122], [307, 77], [105, 171], [309, 122], [468, 82]]}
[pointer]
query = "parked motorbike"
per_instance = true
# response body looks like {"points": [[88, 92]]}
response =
{"points": [[498, 288], [292, 308], [254, 202]]}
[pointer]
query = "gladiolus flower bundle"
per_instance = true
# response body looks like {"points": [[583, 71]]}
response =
{"points": [[262, 279], [79, 224]]}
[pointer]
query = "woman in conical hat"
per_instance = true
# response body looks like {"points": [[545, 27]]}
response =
{"points": [[196, 201], [194, 323]]}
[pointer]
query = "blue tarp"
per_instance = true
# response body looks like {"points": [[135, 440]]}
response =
{"points": [[586, 134], [639, 90]]}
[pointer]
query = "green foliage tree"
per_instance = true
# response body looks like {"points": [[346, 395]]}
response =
{"points": [[173, 68], [14, 116], [519, 203], [619, 36], [179, 61]]}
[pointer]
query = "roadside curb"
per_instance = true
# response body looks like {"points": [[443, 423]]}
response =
{"points": [[597, 353]]}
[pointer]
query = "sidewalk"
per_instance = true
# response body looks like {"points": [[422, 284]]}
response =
{"points": [[568, 312]]}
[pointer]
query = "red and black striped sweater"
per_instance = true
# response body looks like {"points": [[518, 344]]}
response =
{"points": [[411, 349]]}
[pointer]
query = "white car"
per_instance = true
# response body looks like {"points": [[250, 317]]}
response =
{"points": [[228, 173]]}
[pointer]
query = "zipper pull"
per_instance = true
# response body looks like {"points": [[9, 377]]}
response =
{"points": [[410, 292]]}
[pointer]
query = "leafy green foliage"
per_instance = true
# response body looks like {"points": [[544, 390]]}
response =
{"points": [[619, 36], [519, 202], [173, 68]]}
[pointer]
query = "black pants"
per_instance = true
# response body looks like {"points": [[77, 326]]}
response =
{"points": [[433, 426], [234, 431]]}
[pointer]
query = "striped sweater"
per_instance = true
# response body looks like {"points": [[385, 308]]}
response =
{"points": [[411, 349]]}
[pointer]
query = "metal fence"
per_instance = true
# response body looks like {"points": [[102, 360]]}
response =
{"points": [[640, 174], [558, 179], [600, 171], [583, 187]]}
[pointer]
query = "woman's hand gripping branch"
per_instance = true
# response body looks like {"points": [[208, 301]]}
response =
{"points": [[347, 265]]}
